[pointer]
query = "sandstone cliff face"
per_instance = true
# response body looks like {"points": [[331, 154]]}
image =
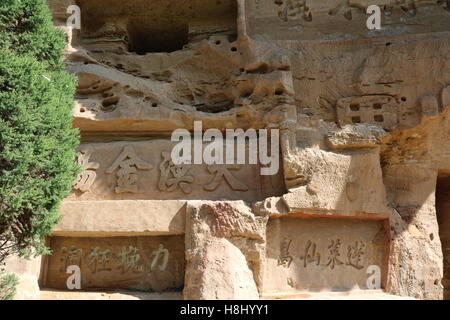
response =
{"points": [[363, 124]]}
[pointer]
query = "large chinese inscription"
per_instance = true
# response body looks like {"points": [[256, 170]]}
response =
{"points": [[322, 253], [147, 263], [144, 170]]}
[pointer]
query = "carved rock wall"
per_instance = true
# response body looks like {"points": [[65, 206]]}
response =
{"points": [[363, 123]]}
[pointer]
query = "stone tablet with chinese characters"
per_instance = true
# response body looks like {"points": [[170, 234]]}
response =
{"points": [[315, 254], [143, 170], [146, 263]]}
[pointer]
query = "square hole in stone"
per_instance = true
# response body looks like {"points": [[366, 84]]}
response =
{"points": [[143, 26], [377, 106], [354, 106], [356, 119], [145, 39], [378, 118], [443, 217]]}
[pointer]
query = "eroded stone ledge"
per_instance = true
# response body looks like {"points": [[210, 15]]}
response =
{"points": [[121, 218]]}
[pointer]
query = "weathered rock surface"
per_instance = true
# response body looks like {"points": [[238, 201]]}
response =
{"points": [[27, 272], [224, 251], [363, 116]]}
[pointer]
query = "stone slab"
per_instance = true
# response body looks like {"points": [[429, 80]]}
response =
{"points": [[143, 170], [353, 295], [126, 217], [151, 263], [108, 295], [27, 272], [322, 254]]}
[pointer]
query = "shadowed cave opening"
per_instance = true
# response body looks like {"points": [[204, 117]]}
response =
{"points": [[142, 26], [443, 217], [144, 39]]}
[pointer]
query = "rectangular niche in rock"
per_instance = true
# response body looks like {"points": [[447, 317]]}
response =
{"points": [[443, 216], [142, 26], [343, 20], [143, 263], [323, 254]]}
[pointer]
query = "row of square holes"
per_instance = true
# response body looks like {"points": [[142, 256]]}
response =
{"points": [[355, 106], [376, 118], [375, 106]]}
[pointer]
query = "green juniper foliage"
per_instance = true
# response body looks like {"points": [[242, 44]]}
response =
{"points": [[8, 284], [37, 142]]}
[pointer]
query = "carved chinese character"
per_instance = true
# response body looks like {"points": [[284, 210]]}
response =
{"points": [[129, 259], [221, 173], [334, 254], [98, 259], [354, 255], [345, 6], [311, 254], [160, 252], [128, 163], [293, 8], [87, 177], [173, 176], [285, 259], [72, 256]]}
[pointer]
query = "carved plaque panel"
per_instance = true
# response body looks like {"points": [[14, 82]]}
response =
{"points": [[378, 110], [315, 254], [131, 170], [147, 263]]}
